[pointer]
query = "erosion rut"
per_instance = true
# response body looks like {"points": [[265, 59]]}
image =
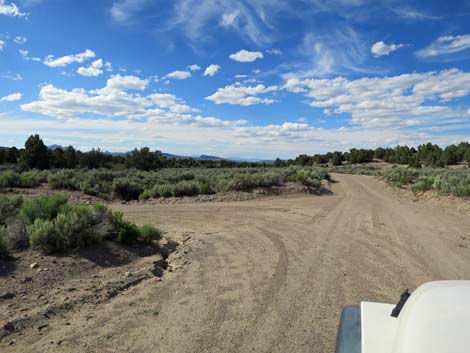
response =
{"points": [[271, 275]]}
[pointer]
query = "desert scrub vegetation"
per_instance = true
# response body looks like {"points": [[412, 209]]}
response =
{"points": [[135, 184], [54, 224], [443, 180], [29, 179]]}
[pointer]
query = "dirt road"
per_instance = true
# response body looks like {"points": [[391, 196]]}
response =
{"points": [[272, 275]]}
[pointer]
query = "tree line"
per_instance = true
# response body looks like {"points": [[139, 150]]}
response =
{"points": [[429, 154], [36, 155]]}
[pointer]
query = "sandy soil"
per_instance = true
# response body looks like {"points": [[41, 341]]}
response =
{"points": [[268, 275]]}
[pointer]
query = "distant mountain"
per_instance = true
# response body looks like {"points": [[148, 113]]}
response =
{"points": [[54, 147], [202, 157], [209, 158]]}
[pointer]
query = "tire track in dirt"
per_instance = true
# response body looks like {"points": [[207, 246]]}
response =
{"points": [[272, 275]]}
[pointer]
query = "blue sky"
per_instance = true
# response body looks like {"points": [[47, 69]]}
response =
{"points": [[254, 79]]}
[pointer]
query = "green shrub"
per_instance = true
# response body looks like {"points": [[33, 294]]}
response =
{"points": [[30, 179], [149, 233], [126, 232], [9, 207], [63, 179], [43, 236], [126, 189], [186, 188], [456, 183], [43, 207], [9, 179], [423, 183], [3, 242]]}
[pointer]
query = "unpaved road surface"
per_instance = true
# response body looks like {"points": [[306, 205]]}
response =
{"points": [[270, 275]]}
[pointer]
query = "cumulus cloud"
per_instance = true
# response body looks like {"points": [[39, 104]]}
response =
{"points": [[246, 56], [2, 44], [381, 49], [211, 70], [12, 97], [179, 75], [95, 69], [69, 59], [10, 9], [446, 45], [194, 67], [388, 101], [20, 40], [242, 95]]}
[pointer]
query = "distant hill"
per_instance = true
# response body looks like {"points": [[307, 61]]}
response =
{"points": [[54, 147], [202, 157]]}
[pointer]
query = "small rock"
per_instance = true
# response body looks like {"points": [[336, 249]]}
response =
{"points": [[34, 265], [128, 274], [42, 327], [27, 279], [12, 342]]}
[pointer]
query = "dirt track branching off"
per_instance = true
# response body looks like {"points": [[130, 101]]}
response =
{"points": [[263, 275]]}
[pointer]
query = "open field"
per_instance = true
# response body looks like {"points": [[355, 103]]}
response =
{"points": [[267, 275]]}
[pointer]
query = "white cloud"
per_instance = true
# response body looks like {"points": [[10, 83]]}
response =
{"points": [[413, 14], [388, 101], [2, 44], [246, 56], [115, 117], [171, 102], [10, 9], [69, 59], [446, 45], [108, 66], [274, 51], [95, 69], [381, 49], [253, 22], [179, 75], [194, 67], [113, 100], [242, 95], [211, 70], [339, 51], [12, 97], [20, 40], [14, 77], [25, 54], [123, 10]]}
